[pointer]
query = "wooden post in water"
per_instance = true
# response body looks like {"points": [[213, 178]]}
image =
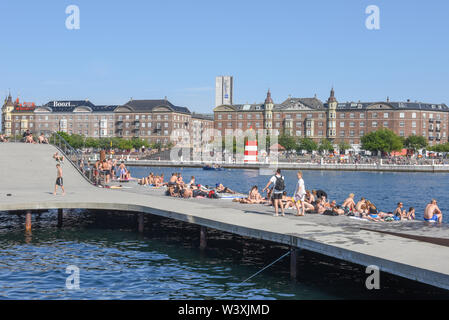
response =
{"points": [[203, 238], [140, 222], [60, 217], [293, 262], [28, 221]]}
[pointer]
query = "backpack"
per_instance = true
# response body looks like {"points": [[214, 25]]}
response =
{"points": [[279, 185]]}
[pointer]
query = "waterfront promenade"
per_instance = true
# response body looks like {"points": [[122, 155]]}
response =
{"points": [[298, 166], [414, 250]]}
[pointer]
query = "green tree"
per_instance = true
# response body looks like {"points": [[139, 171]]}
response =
{"points": [[415, 143], [383, 140], [91, 143], [343, 146], [156, 145], [325, 145], [307, 144], [64, 135], [76, 141], [288, 142]]}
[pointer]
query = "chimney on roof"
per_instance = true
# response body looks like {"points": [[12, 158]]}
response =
{"points": [[388, 99], [408, 100], [314, 96]]}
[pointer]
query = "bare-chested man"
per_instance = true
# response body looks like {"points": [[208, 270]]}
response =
{"points": [[349, 204], [59, 180], [432, 213]]}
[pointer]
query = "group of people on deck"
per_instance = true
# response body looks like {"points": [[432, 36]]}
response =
{"points": [[109, 170], [315, 201], [303, 200]]}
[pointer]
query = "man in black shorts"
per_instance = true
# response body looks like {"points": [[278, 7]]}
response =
{"points": [[279, 186], [59, 180]]}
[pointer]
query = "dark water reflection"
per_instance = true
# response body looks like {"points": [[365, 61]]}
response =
{"points": [[165, 263]]}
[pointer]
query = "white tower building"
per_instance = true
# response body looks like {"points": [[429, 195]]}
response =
{"points": [[223, 90]]}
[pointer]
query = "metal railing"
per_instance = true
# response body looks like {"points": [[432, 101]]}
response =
{"points": [[76, 158]]}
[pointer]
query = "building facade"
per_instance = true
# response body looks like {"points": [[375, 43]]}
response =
{"points": [[152, 120], [348, 122]]}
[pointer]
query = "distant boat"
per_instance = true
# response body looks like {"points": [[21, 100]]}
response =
{"points": [[214, 168]]}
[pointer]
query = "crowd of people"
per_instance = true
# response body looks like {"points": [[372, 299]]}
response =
{"points": [[303, 201], [27, 137]]}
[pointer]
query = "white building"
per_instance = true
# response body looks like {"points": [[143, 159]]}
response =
{"points": [[223, 90]]}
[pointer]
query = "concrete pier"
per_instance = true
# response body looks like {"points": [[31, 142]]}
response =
{"points": [[413, 250]]}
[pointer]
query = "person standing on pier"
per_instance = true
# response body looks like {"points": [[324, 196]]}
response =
{"points": [[59, 180], [279, 186], [300, 195]]}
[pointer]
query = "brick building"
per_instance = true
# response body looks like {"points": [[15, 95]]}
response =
{"points": [[152, 120], [310, 117]]}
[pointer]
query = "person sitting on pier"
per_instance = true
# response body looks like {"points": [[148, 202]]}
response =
{"points": [[172, 191], [58, 158], [186, 192], [192, 181], [309, 202], [336, 208], [146, 181], [358, 206], [158, 181], [321, 207], [432, 213], [173, 179], [398, 212], [179, 180], [254, 197], [349, 205], [411, 213], [288, 202], [42, 139]]}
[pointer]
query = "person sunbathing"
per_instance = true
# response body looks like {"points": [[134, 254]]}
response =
{"points": [[336, 208], [222, 189], [254, 197], [321, 206], [374, 214]]}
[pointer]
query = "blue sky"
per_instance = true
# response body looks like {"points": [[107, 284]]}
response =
{"points": [[152, 49]]}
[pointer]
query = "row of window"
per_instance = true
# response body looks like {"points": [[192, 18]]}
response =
{"points": [[385, 115]]}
